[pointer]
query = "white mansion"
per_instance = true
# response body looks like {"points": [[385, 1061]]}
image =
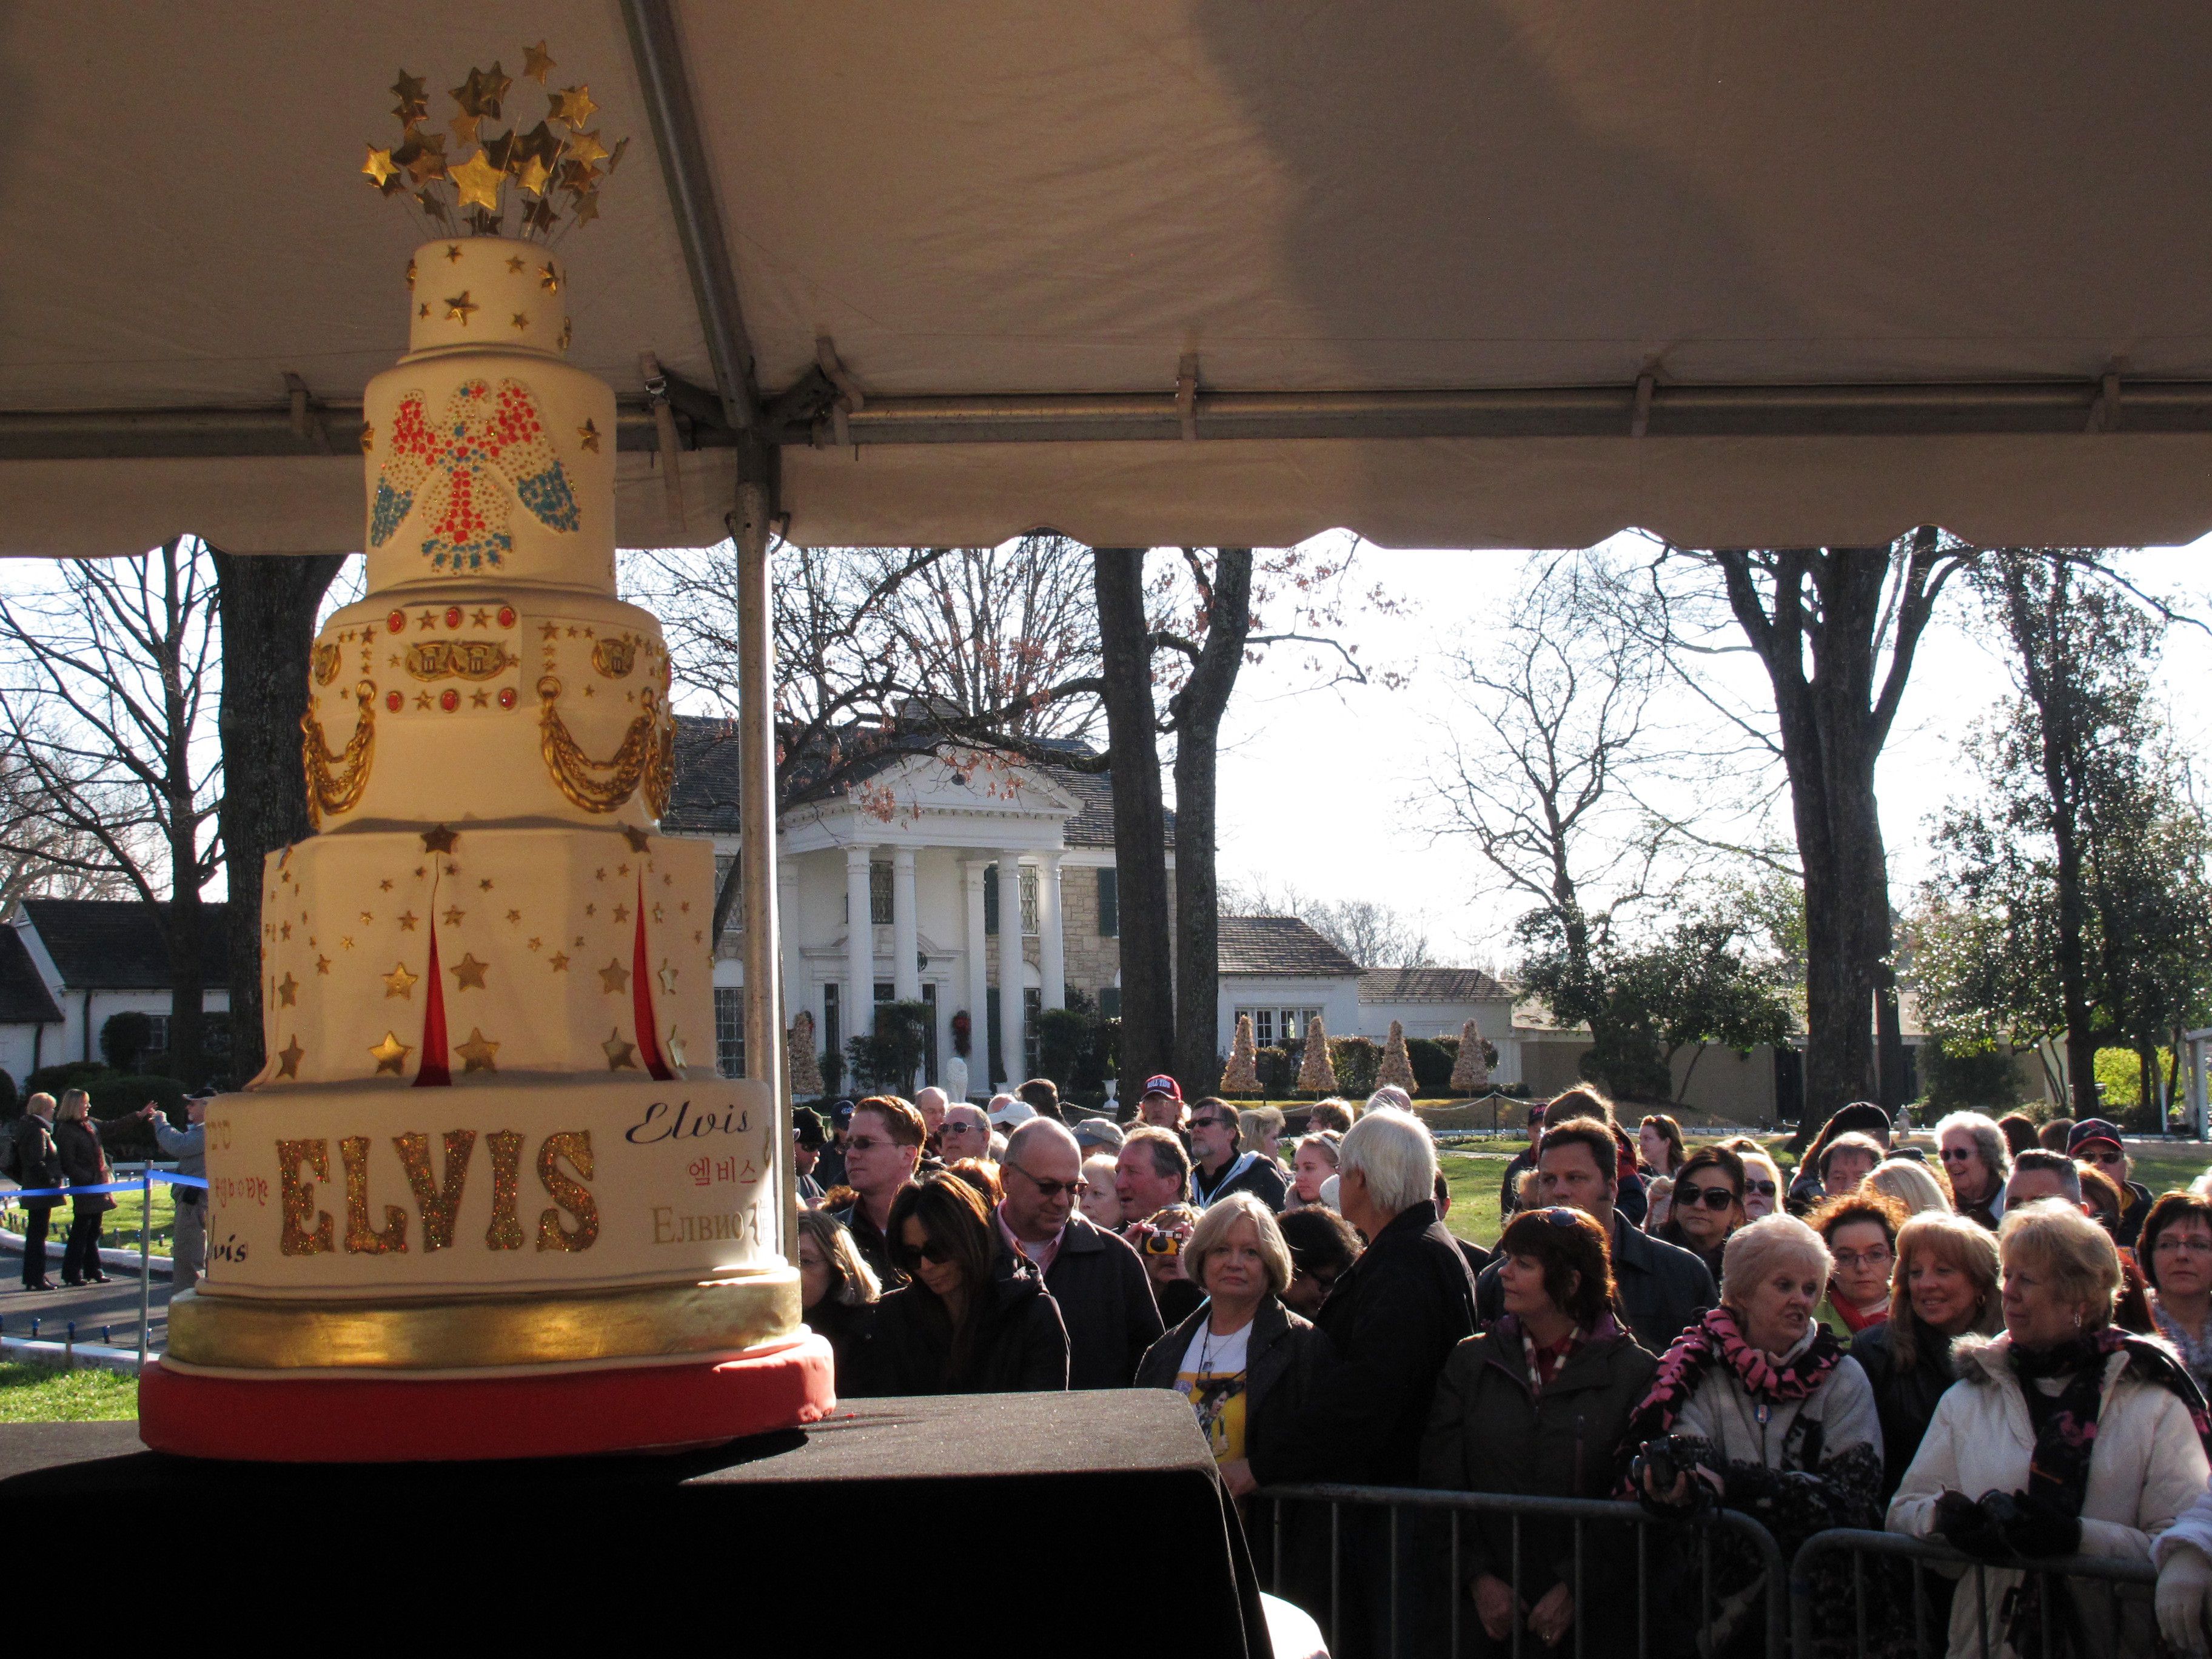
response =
{"points": [[922, 850]]}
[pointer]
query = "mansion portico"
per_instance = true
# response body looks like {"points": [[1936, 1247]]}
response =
{"points": [[908, 886]]}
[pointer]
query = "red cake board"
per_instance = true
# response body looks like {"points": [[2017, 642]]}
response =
{"points": [[419, 1419]]}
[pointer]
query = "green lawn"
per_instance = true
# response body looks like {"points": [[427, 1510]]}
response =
{"points": [[121, 1230], [40, 1393]]}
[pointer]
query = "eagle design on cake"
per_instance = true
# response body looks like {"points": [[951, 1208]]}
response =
{"points": [[486, 443]]}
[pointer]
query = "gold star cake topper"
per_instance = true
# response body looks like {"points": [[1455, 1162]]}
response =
{"points": [[562, 154]]}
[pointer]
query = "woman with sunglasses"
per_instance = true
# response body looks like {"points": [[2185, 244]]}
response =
{"points": [[971, 1318], [1535, 1406], [1706, 1206]]}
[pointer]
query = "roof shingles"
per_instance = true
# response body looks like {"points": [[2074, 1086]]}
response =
{"points": [[1429, 985], [1279, 946]]}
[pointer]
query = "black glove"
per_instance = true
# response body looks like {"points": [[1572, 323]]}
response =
{"points": [[1966, 1526], [2040, 1527]]}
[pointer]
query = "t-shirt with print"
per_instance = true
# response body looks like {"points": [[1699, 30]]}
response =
{"points": [[1211, 1378]]}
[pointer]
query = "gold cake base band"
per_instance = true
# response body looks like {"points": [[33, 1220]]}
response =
{"points": [[646, 1321]]}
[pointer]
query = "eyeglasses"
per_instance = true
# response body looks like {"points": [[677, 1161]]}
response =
{"points": [[934, 1252], [1713, 1198], [2093, 1155], [1956, 1154], [865, 1144], [2172, 1244], [954, 1126], [1764, 1188], [1209, 1122], [1075, 1188], [1854, 1260]]}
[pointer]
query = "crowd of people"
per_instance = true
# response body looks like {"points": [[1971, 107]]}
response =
{"points": [[2000, 1342]]}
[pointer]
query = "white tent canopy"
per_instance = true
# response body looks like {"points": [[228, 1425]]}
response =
{"points": [[1205, 270]]}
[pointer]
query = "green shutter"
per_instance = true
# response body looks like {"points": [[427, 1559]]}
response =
{"points": [[991, 899], [1110, 904]]}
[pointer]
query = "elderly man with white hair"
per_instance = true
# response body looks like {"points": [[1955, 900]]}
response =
{"points": [[931, 1103], [1105, 1297], [1394, 1318]]}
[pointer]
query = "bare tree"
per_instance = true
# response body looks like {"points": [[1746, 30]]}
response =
{"points": [[40, 855], [107, 682]]}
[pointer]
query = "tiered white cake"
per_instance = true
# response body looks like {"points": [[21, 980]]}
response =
{"points": [[489, 1132]]}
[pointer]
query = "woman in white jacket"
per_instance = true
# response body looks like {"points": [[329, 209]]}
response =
{"points": [[2063, 1435]]}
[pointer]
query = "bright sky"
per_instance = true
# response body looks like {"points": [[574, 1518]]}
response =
{"points": [[1320, 788]]}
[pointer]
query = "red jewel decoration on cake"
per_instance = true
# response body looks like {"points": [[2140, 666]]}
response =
{"points": [[449, 701], [482, 439], [507, 696], [394, 702], [397, 621], [507, 615], [453, 616]]}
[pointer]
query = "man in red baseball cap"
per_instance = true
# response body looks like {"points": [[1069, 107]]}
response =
{"points": [[1161, 1105], [2095, 1141]]}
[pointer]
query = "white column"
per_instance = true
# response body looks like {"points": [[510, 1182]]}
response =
{"points": [[979, 978], [860, 946], [906, 975], [1052, 957], [787, 910], [1010, 966]]}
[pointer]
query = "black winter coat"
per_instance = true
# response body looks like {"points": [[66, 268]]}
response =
{"points": [[37, 1163], [85, 1162], [1281, 1362], [1488, 1432], [1664, 1288], [1394, 1318], [846, 1326], [1021, 1347], [1247, 1172], [1105, 1301], [1904, 1395]]}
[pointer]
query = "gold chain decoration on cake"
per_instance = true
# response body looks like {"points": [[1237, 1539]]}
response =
{"points": [[337, 778], [647, 757]]}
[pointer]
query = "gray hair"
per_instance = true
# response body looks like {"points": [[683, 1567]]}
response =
{"points": [[2050, 1164], [1212, 1234], [1755, 1253], [1391, 1095], [1391, 1148], [1989, 1140]]}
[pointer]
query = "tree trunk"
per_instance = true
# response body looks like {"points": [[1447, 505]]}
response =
{"points": [[1198, 708], [267, 604], [1140, 819]]}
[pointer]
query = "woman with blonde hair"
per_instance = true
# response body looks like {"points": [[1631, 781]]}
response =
{"points": [[84, 1163], [1242, 1354], [1312, 1162], [1944, 1287], [1911, 1184], [2065, 1436]]}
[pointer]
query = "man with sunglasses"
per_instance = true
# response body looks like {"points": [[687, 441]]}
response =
{"points": [[2096, 1141], [882, 1150], [1663, 1288], [1217, 1169], [1105, 1299]]}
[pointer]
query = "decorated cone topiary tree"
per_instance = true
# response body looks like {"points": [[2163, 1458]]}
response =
{"points": [[806, 1070], [1316, 1076], [1470, 1072], [1242, 1075], [1397, 1068]]}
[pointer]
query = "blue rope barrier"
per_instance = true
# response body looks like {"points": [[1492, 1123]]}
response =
{"points": [[175, 1180]]}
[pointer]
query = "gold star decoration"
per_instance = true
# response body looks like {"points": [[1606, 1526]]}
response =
{"points": [[399, 982], [469, 973], [379, 166], [573, 106], [541, 217], [453, 253], [619, 1054], [668, 977], [535, 63], [368, 439], [536, 943], [413, 106], [480, 94], [288, 991], [390, 1054], [484, 886], [421, 699], [285, 932], [478, 179], [621, 913], [614, 976], [366, 919], [439, 840], [533, 176], [422, 310], [385, 886], [676, 1054], [589, 435], [322, 964], [638, 840], [482, 619], [586, 208], [453, 914], [346, 943], [457, 308], [548, 278], [410, 276], [558, 963], [288, 1058], [464, 128], [585, 147], [514, 915], [477, 1052]]}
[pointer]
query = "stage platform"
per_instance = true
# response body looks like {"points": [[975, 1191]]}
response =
{"points": [[1000, 1523]]}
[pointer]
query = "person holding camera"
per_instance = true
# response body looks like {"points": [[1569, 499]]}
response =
{"points": [[188, 1146], [2064, 1436], [1159, 1241], [1535, 1406], [1756, 1406]]}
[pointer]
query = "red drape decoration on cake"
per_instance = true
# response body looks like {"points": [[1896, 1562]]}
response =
{"points": [[433, 1073], [640, 981]]}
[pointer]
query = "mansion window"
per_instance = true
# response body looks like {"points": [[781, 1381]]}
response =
{"points": [[1272, 1026], [879, 895], [1110, 904], [1029, 874], [730, 1029], [724, 864]]}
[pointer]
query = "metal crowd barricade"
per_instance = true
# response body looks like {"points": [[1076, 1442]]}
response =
{"points": [[1580, 1511], [1928, 1642]]}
